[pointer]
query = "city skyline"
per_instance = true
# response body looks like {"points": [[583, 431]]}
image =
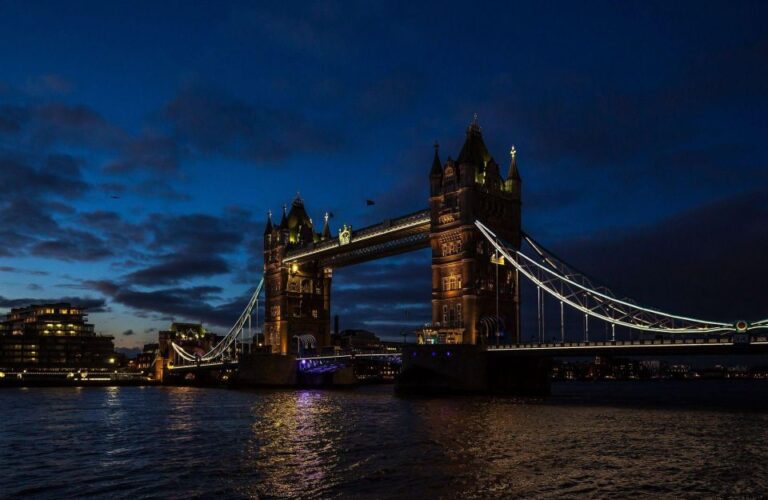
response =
{"points": [[138, 175]]}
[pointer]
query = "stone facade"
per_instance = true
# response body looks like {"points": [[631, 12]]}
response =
{"points": [[464, 278]]}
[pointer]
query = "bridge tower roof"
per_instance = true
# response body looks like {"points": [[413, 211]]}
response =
{"points": [[474, 150], [299, 223]]}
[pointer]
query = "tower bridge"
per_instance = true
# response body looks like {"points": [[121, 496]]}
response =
{"points": [[299, 262], [479, 255]]}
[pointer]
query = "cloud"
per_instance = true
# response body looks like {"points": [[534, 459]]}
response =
{"points": [[702, 262], [56, 175], [191, 303], [128, 333], [157, 153], [208, 122], [50, 84], [610, 126], [384, 296], [63, 124], [174, 270], [90, 304], [34, 272], [72, 244]]}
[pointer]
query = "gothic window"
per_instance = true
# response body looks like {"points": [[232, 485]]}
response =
{"points": [[314, 313], [452, 282], [293, 286], [480, 248], [458, 314], [306, 286], [274, 311], [445, 314]]}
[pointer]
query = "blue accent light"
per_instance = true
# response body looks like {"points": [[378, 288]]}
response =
{"points": [[448, 354], [434, 354]]}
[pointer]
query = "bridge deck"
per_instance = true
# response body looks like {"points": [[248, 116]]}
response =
{"points": [[724, 345], [391, 237]]}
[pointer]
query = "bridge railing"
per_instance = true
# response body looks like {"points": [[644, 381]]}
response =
{"points": [[724, 340]]}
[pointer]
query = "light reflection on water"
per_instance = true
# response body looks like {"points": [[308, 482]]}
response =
{"points": [[187, 442]]}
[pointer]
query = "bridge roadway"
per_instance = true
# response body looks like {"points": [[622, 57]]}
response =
{"points": [[665, 347], [388, 238]]}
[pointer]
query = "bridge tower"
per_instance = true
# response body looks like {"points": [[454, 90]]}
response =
{"points": [[297, 296], [464, 279]]}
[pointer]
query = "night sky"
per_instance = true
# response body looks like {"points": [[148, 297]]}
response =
{"points": [[142, 143]]}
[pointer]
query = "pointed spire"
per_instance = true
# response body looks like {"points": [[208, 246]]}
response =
{"points": [[513, 173], [326, 227], [298, 201], [284, 218], [269, 227], [437, 168], [474, 150]]}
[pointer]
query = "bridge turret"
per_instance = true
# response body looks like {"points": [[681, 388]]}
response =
{"points": [[436, 174], [326, 235], [299, 224], [464, 278], [473, 157], [513, 184], [268, 228], [296, 293]]}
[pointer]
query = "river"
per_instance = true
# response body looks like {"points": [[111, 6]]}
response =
{"points": [[612, 439]]}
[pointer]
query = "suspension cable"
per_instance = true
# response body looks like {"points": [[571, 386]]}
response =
{"points": [[603, 300]]}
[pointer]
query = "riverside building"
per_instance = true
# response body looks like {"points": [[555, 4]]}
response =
{"points": [[53, 338]]}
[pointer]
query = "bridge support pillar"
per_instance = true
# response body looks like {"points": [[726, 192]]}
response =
{"points": [[436, 369]]}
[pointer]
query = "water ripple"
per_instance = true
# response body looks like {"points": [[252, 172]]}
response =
{"points": [[198, 443]]}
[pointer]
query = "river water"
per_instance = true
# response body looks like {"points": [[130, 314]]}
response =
{"points": [[613, 439]]}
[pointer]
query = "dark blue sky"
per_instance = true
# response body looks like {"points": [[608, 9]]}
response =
{"points": [[141, 144]]}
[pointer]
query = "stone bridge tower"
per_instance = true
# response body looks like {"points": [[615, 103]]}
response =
{"points": [[464, 278], [297, 296]]}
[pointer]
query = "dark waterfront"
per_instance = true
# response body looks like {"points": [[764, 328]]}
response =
{"points": [[690, 439]]}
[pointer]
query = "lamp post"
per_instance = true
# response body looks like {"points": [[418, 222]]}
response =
{"points": [[498, 260]]}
